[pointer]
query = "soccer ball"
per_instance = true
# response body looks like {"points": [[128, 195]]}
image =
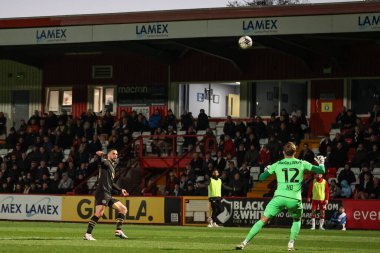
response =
{"points": [[245, 42]]}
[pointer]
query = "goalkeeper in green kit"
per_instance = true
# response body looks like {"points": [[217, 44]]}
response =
{"points": [[289, 173]]}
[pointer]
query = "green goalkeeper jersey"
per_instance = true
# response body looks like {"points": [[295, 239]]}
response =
{"points": [[289, 173]]}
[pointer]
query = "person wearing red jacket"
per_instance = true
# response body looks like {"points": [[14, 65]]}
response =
{"points": [[229, 146], [319, 194], [264, 156]]}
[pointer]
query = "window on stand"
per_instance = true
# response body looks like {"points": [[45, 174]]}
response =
{"points": [[273, 96], [59, 99], [103, 99], [364, 94]]}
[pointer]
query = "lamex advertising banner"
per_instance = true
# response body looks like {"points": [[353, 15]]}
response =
{"points": [[362, 214], [30, 207], [149, 210], [245, 212]]}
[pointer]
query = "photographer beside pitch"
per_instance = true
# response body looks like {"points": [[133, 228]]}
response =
{"points": [[103, 196], [289, 173]]}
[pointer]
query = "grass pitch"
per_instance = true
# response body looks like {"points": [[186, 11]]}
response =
{"points": [[38, 237]]}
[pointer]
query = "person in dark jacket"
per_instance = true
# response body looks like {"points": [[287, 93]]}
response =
{"points": [[202, 120]]}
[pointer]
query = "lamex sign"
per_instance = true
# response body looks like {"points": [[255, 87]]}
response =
{"points": [[38, 207], [260, 25], [158, 30], [51, 35], [369, 22]]}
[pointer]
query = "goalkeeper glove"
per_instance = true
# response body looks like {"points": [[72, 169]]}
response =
{"points": [[320, 160]]}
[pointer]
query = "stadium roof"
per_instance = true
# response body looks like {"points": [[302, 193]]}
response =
{"points": [[302, 45]]}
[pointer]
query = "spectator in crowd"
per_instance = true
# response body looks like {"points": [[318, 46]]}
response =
{"points": [[338, 138], [252, 140], [245, 174], [346, 190], [88, 116], [202, 120], [272, 126], [357, 137], [264, 157], [374, 156], [259, 128], [339, 158], [229, 127], [274, 147], [283, 134], [190, 138], [365, 188], [171, 180], [66, 184], [36, 117], [150, 189], [360, 157], [108, 122], [306, 154], [240, 154], [339, 117], [348, 120], [190, 191], [177, 190], [326, 141], [375, 194], [338, 220], [240, 127], [329, 161], [159, 143], [155, 120], [186, 120], [229, 147], [295, 130], [251, 156], [235, 186], [238, 139], [374, 113], [171, 120], [197, 165], [11, 139], [335, 190], [365, 170], [347, 175], [220, 162]]}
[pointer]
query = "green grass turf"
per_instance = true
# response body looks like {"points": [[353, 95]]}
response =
{"points": [[51, 237]]}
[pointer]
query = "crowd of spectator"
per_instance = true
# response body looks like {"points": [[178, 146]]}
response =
{"points": [[39, 144], [355, 145], [233, 152], [37, 162]]}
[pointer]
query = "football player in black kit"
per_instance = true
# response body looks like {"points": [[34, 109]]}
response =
{"points": [[103, 196]]}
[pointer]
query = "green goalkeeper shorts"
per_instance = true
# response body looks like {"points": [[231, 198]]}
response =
{"points": [[278, 203]]}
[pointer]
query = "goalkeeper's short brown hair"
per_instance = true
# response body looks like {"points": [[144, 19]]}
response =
{"points": [[289, 149]]}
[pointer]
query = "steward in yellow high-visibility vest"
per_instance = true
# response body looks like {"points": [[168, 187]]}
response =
{"points": [[214, 196]]}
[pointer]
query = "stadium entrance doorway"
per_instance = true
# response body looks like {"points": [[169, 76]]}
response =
{"points": [[326, 103]]}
